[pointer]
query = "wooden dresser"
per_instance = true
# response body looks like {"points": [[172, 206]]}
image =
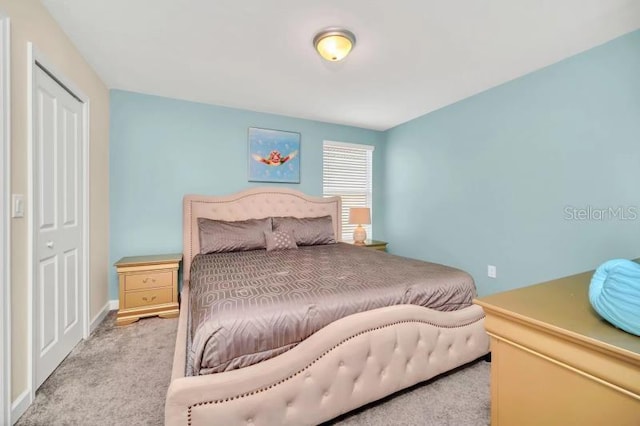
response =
{"points": [[148, 287], [556, 362]]}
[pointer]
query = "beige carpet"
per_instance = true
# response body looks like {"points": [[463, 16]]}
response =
{"points": [[119, 376]]}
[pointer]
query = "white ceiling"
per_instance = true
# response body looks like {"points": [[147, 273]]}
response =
{"points": [[411, 56]]}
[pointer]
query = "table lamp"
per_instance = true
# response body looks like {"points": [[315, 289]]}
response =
{"points": [[359, 216]]}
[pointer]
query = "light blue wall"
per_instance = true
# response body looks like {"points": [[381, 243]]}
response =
{"points": [[162, 149], [486, 180], [483, 181]]}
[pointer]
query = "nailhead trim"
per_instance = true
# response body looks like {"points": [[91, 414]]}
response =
{"points": [[255, 391]]}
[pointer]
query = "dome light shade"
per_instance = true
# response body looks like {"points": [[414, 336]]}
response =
{"points": [[334, 44]]}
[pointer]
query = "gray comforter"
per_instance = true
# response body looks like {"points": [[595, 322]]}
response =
{"points": [[247, 307]]}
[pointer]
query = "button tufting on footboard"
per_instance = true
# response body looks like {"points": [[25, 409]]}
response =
{"points": [[339, 373]]}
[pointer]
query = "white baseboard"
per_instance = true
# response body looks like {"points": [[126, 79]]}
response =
{"points": [[98, 318], [20, 405], [109, 306]]}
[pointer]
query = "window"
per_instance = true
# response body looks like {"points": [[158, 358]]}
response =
{"points": [[347, 172]]}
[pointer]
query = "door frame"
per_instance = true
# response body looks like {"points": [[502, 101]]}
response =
{"points": [[5, 243], [36, 59]]}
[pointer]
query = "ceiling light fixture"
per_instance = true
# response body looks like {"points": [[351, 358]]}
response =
{"points": [[334, 44]]}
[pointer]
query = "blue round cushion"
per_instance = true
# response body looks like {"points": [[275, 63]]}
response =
{"points": [[615, 294]]}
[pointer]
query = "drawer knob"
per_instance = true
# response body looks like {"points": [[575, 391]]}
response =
{"points": [[153, 280], [147, 300]]}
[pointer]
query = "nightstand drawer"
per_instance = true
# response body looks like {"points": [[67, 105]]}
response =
{"points": [[156, 296], [148, 280]]}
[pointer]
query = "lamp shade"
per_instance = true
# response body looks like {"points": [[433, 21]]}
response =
{"points": [[360, 215]]}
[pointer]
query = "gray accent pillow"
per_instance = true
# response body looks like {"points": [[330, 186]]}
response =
{"points": [[308, 231], [219, 236], [280, 240]]}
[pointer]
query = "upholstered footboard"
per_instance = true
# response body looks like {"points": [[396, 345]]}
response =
{"points": [[349, 363]]}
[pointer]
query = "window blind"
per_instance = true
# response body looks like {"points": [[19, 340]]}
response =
{"points": [[347, 172]]}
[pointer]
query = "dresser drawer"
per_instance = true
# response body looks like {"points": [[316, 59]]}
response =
{"points": [[148, 280], [157, 296]]}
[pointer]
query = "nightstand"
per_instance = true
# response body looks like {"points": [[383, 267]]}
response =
{"points": [[374, 244], [148, 287]]}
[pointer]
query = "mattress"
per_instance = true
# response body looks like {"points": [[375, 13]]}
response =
{"points": [[246, 307]]}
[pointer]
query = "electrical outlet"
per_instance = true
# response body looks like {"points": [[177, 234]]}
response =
{"points": [[492, 271]]}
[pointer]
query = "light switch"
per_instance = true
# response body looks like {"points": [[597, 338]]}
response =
{"points": [[17, 202]]}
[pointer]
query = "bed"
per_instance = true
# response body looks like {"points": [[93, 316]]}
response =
{"points": [[341, 365]]}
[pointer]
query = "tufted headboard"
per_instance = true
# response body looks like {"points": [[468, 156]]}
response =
{"points": [[254, 203]]}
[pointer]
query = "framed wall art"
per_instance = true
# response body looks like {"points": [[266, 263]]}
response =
{"points": [[274, 156]]}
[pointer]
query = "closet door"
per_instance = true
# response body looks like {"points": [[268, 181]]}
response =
{"points": [[58, 189]]}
